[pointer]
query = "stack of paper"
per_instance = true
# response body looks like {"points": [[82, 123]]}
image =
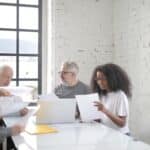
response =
{"points": [[39, 129]]}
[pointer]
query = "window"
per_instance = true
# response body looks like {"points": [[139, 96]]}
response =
{"points": [[20, 40]]}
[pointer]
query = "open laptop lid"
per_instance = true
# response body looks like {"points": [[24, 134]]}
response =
{"points": [[61, 111]]}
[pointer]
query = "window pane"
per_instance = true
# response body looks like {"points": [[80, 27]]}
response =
{"points": [[28, 42], [33, 84], [28, 18], [7, 16], [13, 83], [8, 1], [28, 67], [32, 2], [29, 83], [9, 60], [7, 42]]}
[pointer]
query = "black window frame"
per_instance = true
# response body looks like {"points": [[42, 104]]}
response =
{"points": [[17, 54]]}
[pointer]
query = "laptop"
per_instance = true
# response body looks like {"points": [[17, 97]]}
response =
{"points": [[59, 111]]}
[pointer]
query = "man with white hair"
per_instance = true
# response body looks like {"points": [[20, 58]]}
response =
{"points": [[70, 85], [6, 74]]}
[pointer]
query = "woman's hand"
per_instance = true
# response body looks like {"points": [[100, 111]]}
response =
{"points": [[118, 120], [100, 106]]}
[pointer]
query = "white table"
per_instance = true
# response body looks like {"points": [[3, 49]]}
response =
{"points": [[77, 136]]}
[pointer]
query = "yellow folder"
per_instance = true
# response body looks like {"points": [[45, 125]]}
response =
{"points": [[40, 129]]}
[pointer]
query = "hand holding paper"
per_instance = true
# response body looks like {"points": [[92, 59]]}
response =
{"points": [[24, 120], [86, 106], [23, 111], [4, 92], [11, 104], [99, 106], [16, 129]]}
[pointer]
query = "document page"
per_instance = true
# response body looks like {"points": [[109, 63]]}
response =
{"points": [[11, 104], [31, 111], [88, 111]]}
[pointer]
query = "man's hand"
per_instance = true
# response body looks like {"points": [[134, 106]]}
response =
{"points": [[23, 111], [4, 92], [16, 129]]}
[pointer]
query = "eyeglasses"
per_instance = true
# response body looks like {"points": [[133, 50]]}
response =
{"points": [[102, 78], [64, 72]]}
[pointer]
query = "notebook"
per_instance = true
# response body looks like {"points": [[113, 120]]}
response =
{"points": [[60, 111]]}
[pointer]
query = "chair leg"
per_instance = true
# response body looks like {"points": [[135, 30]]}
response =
{"points": [[4, 144]]}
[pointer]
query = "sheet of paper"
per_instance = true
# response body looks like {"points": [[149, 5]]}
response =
{"points": [[11, 104], [24, 120], [26, 93], [50, 96], [88, 111]]}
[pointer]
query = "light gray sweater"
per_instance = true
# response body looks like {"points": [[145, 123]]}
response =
{"points": [[4, 133]]}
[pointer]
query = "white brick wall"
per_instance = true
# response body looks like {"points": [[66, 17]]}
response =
{"points": [[82, 32], [132, 51]]}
